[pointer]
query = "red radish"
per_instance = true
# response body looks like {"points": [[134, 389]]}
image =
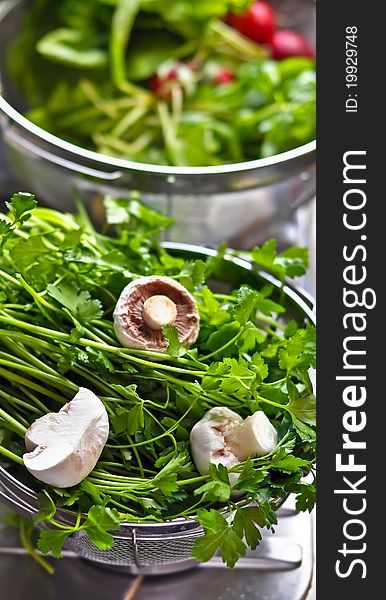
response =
{"points": [[286, 43], [236, 21], [224, 76], [159, 85], [259, 22]]}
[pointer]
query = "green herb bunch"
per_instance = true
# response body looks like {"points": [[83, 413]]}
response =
{"points": [[59, 283], [86, 68]]}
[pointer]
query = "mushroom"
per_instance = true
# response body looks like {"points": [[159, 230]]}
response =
{"points": [[223, 437], [64, 447], [146, 305]]}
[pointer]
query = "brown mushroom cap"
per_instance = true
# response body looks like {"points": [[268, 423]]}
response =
{"points": [[130, 326]]}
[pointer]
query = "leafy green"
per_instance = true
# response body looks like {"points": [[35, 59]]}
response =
{"points": [[52, 541], [57, 333], [175, 348], [47, 508], [80, 303], [137, 79], [219, 488], [305, 500], [292, 262], [219, 535], [99, 521]]}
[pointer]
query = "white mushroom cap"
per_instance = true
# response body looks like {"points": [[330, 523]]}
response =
{"points": [[223, 437], [64, 447], [207, 439], [146, 305], [255, 436]]}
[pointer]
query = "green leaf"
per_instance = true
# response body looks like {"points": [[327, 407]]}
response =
{"points": [[221, 336], [79, 303], [192, 274], [267, 512], [244, 525], [211, 310], [135, 419], [292, 262], [99, 521], [128, 421], [287, 463], [5, 230], [92, 491], [120, 211], [219, 488], [20, 204], [166, 479], [250, 338], [304, 409], [250, 478], [175, 348], [52, 541], [299, 351], [239, 378], [259, 367], [245, 306], [26, 252], [305, 432], [47, 508], [218, 535], [306, 499]]}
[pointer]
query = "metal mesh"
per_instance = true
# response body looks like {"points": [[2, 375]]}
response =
{"points": [[134, 552]]}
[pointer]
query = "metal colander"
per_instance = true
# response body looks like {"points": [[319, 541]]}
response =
{"points": [[243, 203], [153, 548], [139, 548]]}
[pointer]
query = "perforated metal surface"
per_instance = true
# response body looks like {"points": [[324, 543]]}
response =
{"points": [[135, 552]]}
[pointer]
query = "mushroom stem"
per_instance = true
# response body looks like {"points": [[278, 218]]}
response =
{"points": [[159, 311]]}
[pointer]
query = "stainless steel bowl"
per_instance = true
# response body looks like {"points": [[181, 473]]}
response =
{"points": [[161, 547], [242, 203]]}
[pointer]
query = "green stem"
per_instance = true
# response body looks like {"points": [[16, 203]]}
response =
{"points": [[11, 376], [232, 341], [16, 426], [26, 529], [63, 384], [11, 455]]}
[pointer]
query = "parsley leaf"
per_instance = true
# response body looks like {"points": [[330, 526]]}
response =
{"points": [[306, 499], [128, 421], [244, 525], [292, 262], [99, 521], [20, 205], [26, 252], [79, 303], [304, 409], [219, 488], [47, 508], [250, 338], [287, 463], [245, 306], [175, 348], [218, 535], [52, 540]]}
